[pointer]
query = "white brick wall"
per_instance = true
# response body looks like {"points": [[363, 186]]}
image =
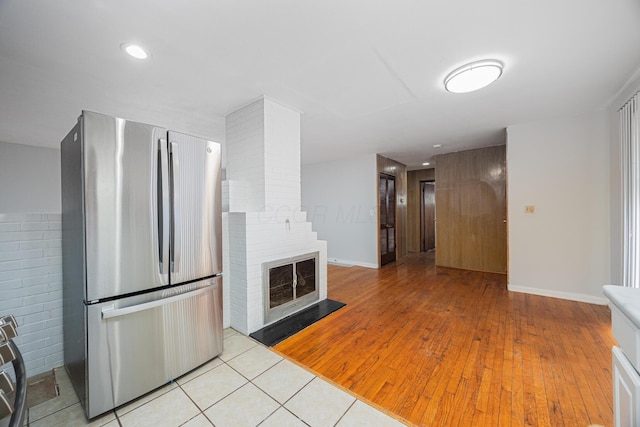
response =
{"points": [[245, 159], [263, 153], [282, 156], [255, 239], [31, 286], [262, 199]]}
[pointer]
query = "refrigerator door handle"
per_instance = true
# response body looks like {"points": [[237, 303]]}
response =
{"points": [[110, 311], [163, 206], [175, 205]]}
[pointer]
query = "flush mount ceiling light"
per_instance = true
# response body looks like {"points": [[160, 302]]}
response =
{"points": [[473, 76], [135, 50], [426, 164]]}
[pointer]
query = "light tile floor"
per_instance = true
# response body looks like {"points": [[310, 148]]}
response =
{"points": [[248, 385]]}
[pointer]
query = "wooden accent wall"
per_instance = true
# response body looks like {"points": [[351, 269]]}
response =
{"points": [[399, 171], [413, 205], [471, 209]]}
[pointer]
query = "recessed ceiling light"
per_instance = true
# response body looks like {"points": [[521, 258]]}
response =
{"points": [[426, 164], [473, 76], [135, 50], [437, 145]]}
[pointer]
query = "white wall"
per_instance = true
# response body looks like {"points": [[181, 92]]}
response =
{"points": [[615, 199], [29, 179], [262, 199], [31, 252], [339, 198], [561, 167], [31, 286]]}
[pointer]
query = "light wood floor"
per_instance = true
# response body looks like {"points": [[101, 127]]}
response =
{"points": [[438, 346]]}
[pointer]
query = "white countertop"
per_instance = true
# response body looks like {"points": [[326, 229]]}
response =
{"points": [[627, 300]]}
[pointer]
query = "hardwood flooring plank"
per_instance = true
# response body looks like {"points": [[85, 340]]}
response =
{"points": [[483, 391], [440, 346], [529, 386], [504, 418]]}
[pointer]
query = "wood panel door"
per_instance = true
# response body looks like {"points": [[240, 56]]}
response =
{"points": [[471, 208], [387, 209], [427, 216]]}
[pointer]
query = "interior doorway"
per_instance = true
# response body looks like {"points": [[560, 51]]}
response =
{"points": [[387, 209], [427, 216]]}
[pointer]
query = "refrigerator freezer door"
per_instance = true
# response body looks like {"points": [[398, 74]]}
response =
{"points": [[123, 194], [196, 195], [140, 343]]}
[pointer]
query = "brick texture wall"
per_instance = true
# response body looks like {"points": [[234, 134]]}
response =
{"points": [[261, 200], [245, 163], [254, 240], [31, 286]]}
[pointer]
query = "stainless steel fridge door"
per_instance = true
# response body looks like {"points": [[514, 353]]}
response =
{"points": [[126, 218], [196, 235], [139, 343]]}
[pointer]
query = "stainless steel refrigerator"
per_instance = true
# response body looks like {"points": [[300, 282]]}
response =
{"points": [[141, 239]]}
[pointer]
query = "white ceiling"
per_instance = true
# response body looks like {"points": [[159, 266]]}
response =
{"points": [[366, 74]]}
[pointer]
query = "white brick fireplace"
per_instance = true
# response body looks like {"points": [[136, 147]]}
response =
{"points": [[261, 194]]}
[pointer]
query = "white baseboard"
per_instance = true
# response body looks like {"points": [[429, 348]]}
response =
{"points": [[559, 294], [349, 263]]}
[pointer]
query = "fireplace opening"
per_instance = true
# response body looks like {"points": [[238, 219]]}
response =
{"points": [[290, 284]]}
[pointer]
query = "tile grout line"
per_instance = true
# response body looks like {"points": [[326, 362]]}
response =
{"points": [[187, 394], [248, 381], [345, 412], [281, 405]]}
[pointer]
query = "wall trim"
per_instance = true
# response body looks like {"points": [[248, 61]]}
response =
{"points": [[349, 263], [571, 296]]}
